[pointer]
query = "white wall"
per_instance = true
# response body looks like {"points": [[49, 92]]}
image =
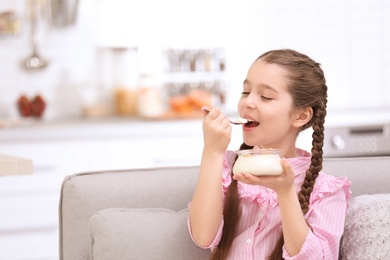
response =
{"points": [[71, 56], [349, 38]]}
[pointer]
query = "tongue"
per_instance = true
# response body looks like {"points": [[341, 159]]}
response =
{"points": [[252, 124]]}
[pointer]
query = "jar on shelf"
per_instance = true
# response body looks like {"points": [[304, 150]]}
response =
{"points": [[125, 80], [150, 104]]}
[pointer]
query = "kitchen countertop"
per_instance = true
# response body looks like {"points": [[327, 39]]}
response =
{"points": [[31, 129]]}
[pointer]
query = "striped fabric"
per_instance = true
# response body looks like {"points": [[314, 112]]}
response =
{"points": [[260, 225]]}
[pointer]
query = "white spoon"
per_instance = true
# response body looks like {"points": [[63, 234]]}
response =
{"points": [[237, 121]]}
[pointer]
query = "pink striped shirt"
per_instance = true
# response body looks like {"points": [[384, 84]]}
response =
{"points": [[260, 224]]}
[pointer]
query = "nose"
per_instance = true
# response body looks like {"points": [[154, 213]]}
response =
{"points": [[249, 101]]}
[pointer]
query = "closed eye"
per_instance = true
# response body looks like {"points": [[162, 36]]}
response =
{"points": [[246, 93], [266, 98]]}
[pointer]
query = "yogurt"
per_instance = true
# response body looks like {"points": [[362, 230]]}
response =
{"points": [[258, 162]]}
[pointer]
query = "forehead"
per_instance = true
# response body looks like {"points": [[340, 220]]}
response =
{"points": [[262, 73]]}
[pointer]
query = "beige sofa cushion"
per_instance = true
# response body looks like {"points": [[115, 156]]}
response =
{"points": [[367, 226], [84, 194], [153, 234]]}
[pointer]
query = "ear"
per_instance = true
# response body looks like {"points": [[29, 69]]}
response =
{"points": [[303, 116]]}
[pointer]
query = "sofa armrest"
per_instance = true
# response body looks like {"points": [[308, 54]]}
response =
{"points": [[82, 195]]}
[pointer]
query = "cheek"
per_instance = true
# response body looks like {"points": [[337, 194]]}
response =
{"points": [[285, 109], [279, 115], [240, 105]]}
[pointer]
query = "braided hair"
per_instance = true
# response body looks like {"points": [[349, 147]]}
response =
{"points": [[307, 86]]}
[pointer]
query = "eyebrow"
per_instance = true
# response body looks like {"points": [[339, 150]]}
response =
{"points": [[262, 86]]}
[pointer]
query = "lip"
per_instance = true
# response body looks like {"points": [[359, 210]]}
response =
{"points": [[244, 127], [249, 117]]}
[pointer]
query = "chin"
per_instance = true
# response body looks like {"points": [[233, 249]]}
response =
{"points": [[250, 142]]}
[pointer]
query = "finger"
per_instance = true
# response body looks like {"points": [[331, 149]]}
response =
{"points": [[238, 176], [222, 119], [225, 123], [205, 110], [246, 178], [214, 113], [286, 166], [250, 178]]}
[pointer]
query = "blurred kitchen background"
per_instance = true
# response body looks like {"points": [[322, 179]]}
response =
{"points": [[84, 40], [120, 83]]}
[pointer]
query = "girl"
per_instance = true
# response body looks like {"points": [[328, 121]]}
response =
{"points": [[297, 215]]}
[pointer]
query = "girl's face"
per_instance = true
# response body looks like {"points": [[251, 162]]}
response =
{"points": [[266, 100]]}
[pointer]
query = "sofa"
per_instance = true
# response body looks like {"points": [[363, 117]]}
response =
{"points": [[142, 213]]}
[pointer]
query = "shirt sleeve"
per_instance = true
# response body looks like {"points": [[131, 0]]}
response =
{"points": [[228, 160], [326, 217], [216, 240]]}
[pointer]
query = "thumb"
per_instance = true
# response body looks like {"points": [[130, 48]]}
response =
{"points": [[286, 166]]}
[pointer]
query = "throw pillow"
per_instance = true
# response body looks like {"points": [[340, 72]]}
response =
{"points": [[153, 234], [367, 228]]}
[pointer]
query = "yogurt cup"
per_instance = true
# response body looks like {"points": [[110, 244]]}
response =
{"points": [[259, 162]]}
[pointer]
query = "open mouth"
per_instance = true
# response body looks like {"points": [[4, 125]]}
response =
{"points": [[251, 123]]}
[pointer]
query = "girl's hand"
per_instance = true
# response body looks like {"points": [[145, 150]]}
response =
{"points": [[216, 130], [281, 184]]}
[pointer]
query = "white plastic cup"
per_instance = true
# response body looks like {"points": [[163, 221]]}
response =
{"points": [[259, 162]]}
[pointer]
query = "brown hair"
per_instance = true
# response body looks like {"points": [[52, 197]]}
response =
{"points": [[307, 86]]}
